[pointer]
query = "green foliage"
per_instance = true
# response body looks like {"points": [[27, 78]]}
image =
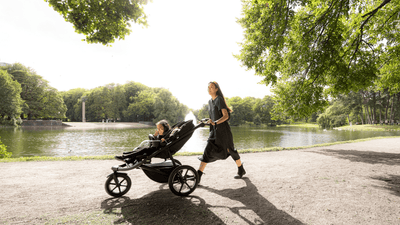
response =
{"points": [[40, 100], [310, 50], [101, 21], [3, 151], [202, 113], [334, 116], [10, 96], [168, 107], [142, 105], [71, 98], [131, 102]]}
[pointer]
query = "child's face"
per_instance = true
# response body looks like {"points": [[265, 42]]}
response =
{"points": [[160, 129]]}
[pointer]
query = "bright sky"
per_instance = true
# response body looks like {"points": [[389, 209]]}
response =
{"points": [[187, 44]]}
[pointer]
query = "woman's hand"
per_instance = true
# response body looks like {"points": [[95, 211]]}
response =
{"points": [[162, 139], [210, 122]]}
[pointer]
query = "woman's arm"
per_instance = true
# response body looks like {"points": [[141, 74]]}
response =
{"points": [[225, 117]]}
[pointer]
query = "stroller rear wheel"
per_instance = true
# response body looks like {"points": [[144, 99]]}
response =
{"points": [[119, 186], [183, 180]]}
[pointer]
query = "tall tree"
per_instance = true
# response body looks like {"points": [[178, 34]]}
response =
{"points": [[71, 98], [318, 48], [36, 93], [143, 105], [10, 96], [101, 21]]}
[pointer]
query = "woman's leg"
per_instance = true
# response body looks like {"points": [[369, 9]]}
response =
{"points": [[236, 157], [201, 169], [202, 166], [238, 162]]}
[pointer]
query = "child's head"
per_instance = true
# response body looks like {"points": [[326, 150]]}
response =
{"points": [[162, 127]]}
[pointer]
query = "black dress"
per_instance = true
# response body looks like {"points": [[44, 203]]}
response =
{"points": [[220, 138]]}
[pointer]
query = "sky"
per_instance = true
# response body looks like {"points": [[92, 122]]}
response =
{"points": [[186, 45]]}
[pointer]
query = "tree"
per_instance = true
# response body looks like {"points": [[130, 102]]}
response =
{"points": [[97, 104], [10, 96], [202, 113], [54, 106], [118, 101], [101, 21], [334, 116], [310, 50], [262, 108], [166, 106], [71, 98], [36, 93], [143, 104]]}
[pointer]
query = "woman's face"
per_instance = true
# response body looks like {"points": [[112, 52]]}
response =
{"points": [[160, 129], [212, 90]]}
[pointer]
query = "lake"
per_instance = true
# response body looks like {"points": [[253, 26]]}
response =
{"points": [[61, 141]]}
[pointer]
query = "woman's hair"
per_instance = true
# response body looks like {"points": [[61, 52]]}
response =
{"points": [[219, 92], [165, 124]]}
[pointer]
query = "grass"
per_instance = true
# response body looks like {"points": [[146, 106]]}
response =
{"points": [[304, 125], [252, 150], [370, 127]]}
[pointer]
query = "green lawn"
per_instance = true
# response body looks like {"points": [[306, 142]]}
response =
{"points": [[304, 125], [369, 127]]}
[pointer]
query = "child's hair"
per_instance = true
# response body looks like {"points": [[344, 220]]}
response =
{"points": [[165, 124]]}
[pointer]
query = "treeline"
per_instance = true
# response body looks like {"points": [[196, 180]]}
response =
{"points": [[26, 95], [246, 111], [364, 107], [131, 102]]}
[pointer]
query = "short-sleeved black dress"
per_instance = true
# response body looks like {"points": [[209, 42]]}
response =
{"points": [[220, 139]]}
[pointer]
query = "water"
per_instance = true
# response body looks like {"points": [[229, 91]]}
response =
{"points": [[113, 141]]}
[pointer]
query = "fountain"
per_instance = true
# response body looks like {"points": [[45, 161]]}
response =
{"points": [[190, 116]]}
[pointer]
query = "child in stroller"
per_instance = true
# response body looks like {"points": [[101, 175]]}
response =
{"points": [[163, 135]]}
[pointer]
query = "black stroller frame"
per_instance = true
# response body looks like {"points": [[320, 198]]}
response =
{"points": [[182, 179]]}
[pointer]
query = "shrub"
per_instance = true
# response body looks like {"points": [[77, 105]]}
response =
{"points": [[3, 151]]}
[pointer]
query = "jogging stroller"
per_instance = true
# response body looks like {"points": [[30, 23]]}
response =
{"points": [[182, 179]]}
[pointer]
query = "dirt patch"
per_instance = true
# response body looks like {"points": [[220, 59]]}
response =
{"points": [[356, 183]]}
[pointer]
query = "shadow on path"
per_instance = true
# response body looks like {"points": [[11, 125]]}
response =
{"points": [[392, 183], [254, 201], [363, 156], [163, 207], [160, 207]]}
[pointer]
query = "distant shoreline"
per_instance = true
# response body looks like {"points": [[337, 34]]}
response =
{"points": [[100, 124]]}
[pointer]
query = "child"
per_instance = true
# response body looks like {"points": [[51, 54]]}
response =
{"points": [[160, 134]]}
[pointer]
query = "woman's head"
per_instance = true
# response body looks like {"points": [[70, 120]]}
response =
{"points": [[162, 126], [213, 88]]}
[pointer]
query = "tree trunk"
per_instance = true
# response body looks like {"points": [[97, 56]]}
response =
{"points": [[392, 110], [367, 111], [374, 107], [387, 106], [362, 120]]}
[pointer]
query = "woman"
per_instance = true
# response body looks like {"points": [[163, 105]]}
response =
{"points": [[220, 141]]}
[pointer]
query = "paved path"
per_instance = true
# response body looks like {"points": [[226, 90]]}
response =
{"points": [[357, 183]]}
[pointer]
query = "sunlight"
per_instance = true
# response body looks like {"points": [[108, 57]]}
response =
{"points": [[190, 116]]}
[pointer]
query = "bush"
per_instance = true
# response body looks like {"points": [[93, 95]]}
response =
{"points": [[3, 151]]}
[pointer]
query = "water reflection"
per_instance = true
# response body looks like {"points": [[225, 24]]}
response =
{"points": [[61, 141]]}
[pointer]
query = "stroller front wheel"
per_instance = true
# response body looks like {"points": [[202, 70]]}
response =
{"points": [[183, 180], [118, 184]]}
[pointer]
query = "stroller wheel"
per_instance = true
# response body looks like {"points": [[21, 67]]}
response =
{"points": [[183, 180], [119, 186]]}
